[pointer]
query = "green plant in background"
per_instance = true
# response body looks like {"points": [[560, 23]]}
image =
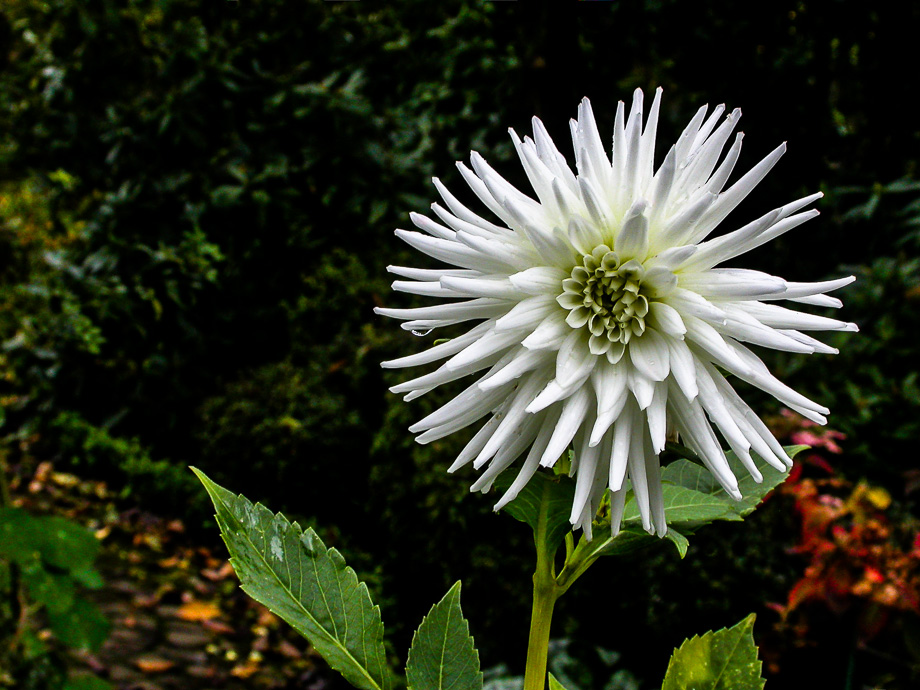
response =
{"points": [[879, 402], [45, 561]]}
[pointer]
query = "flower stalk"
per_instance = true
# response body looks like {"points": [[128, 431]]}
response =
{"points": [[544, 599], [545, 594]]}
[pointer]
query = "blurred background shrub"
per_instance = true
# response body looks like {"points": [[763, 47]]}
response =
{"points": [[196, 210]]}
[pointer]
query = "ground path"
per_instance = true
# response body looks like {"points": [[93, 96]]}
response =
{"points": [[179, 619]]}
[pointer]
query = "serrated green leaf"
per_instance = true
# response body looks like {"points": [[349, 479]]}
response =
{"points": [[691, 476], [681, 543], [526, 505], [722, 660], [442, 655], [631, 539], [752, 492], [291, 571], [682, 505], [82, 626], [555, 684], [626, 541]]}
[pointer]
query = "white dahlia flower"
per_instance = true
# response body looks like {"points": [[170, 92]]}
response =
{"points": [[604, 323]]}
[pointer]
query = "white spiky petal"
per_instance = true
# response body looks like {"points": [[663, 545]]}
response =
{"points": [[604, 322]]}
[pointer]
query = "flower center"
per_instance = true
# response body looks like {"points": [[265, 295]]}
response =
{"points": [[606, 296]]}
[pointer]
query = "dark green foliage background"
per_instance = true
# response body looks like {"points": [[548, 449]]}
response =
{"points": [[221, 181]]}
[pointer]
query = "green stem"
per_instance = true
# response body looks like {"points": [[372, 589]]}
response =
{"points": [[544, 599], [545, 593], [548, 587]]}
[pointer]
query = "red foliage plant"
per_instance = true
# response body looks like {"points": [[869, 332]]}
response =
{"points": [[859, 554]]}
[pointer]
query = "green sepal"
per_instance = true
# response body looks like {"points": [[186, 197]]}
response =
{"points": [[555, 684], [722, 660], [291, 571], [442, 655]]}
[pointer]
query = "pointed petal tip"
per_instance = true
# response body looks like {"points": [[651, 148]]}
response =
{"points": [[456, 465]]}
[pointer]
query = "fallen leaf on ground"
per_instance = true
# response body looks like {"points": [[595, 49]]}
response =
{"points": [[218, 627], [221, 573], [198, 611], [152, 664], [244, 670]]}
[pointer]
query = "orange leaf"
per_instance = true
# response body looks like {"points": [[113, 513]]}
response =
{"points": [[244, 670], [152, 664], [198, 611]]}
